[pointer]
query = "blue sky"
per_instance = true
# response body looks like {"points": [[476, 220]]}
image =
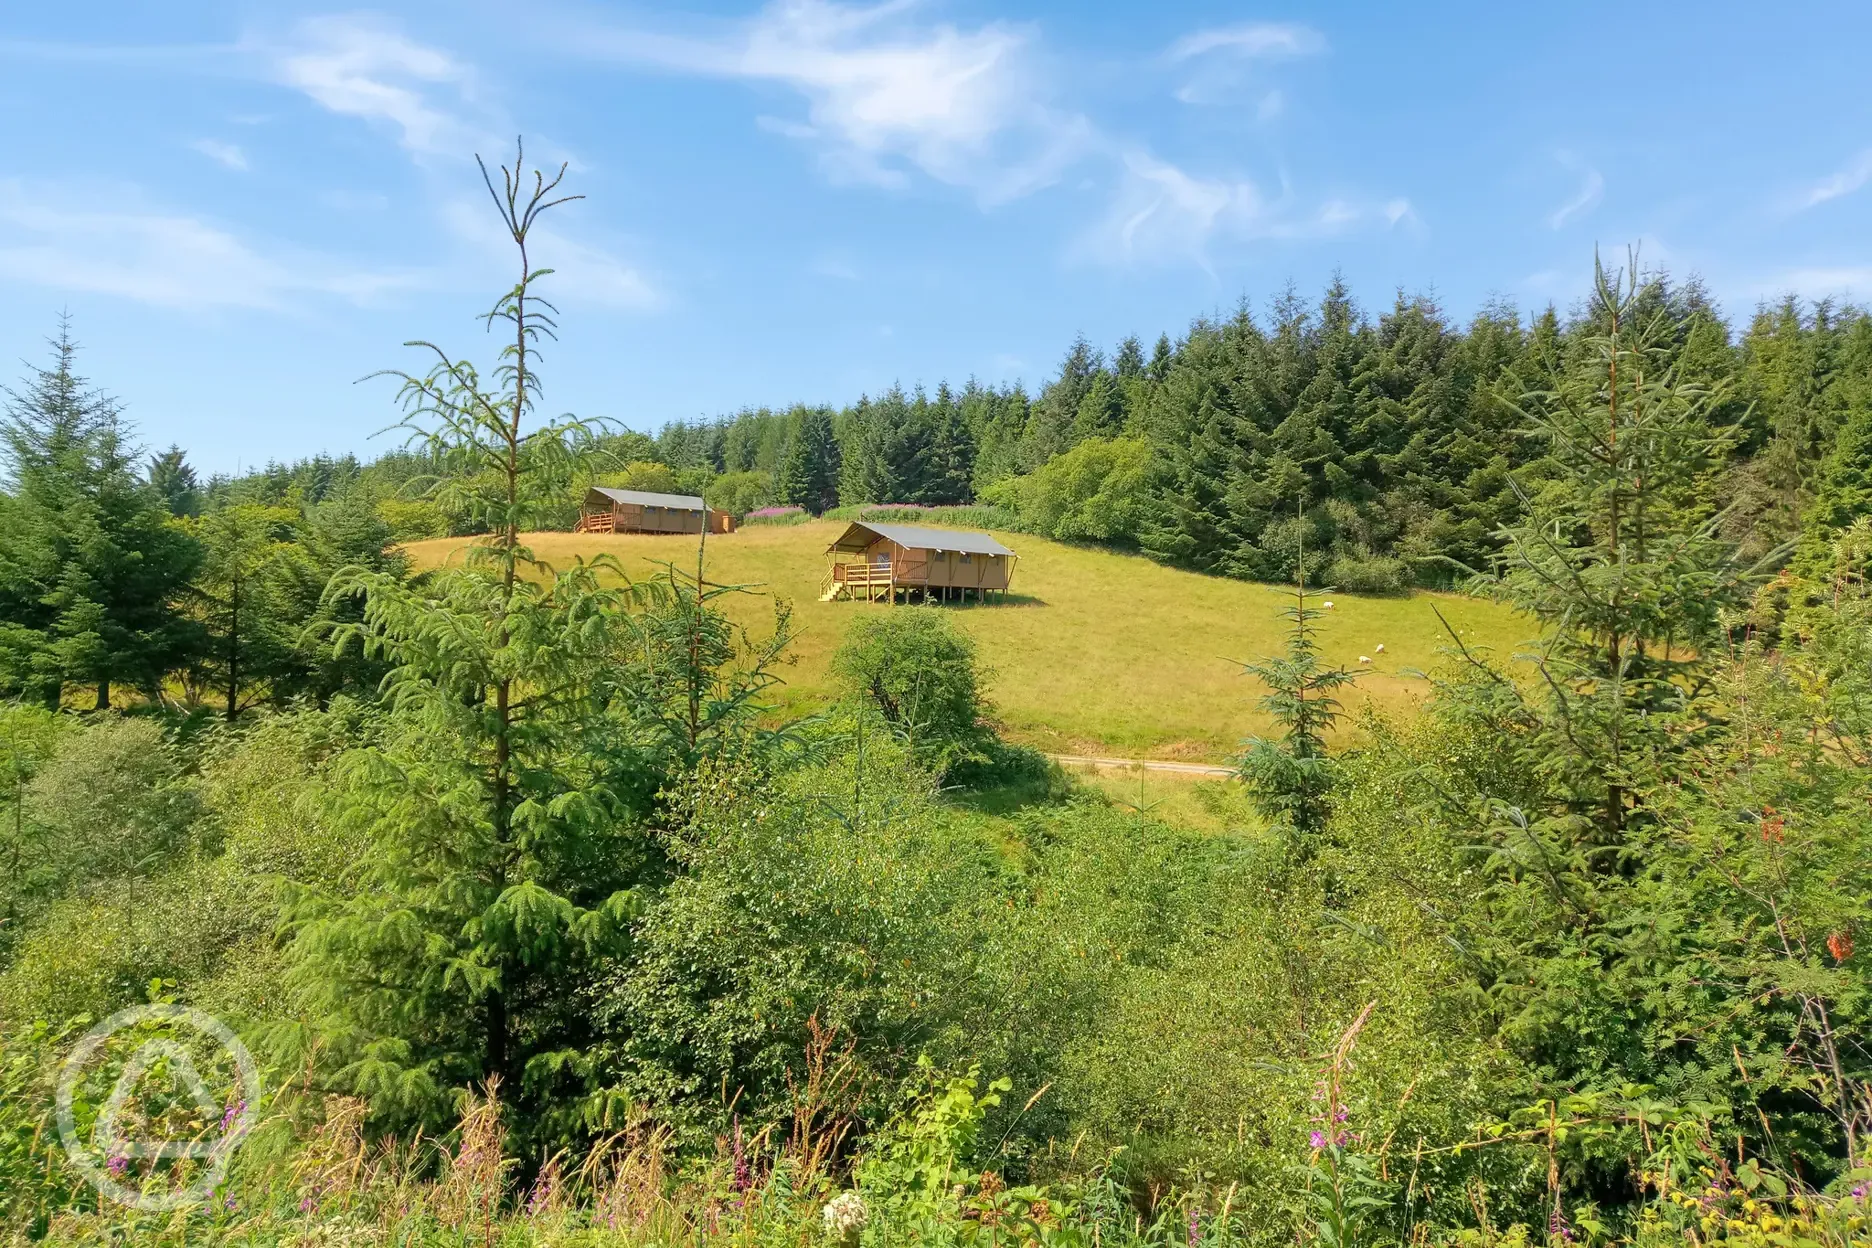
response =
{"points": [[247, 207]]}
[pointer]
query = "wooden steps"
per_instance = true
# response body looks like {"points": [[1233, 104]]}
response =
{"points": [[596, 522]]}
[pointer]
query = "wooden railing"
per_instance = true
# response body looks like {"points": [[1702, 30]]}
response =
{"points": [[862, 573], [898, 572]]}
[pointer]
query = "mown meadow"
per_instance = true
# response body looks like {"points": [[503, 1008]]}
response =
{"points": [[359, 890], [1096, 652]]}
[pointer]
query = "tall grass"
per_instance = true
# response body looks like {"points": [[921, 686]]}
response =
{"points": [[791, 1184]]}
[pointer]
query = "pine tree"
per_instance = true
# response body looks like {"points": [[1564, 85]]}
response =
{"points": [[1101, 410], [502, 857], [946, 457], [1163, 355], [809, 472], [1210, 438], [250, 564], [1291, 777], [1129, 362], [1050, 429], [1843, 494], [172, 478], [867, 473], [343, 532], [997, 421], [92, 566], [1617, 559]]}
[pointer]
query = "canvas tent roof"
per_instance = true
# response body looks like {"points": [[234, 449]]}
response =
{"points": [[648, 498], [862, 533]]}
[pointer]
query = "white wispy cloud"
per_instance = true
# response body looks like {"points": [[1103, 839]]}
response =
{"points": [[1223, 66], [227, 154], [362, 67], [1162, 211], [969, 108], [593, 274], [1856, 173], [888, 98], [1585, 199], [431, 100], [57, 239], [1253, 39], [582, 271]]}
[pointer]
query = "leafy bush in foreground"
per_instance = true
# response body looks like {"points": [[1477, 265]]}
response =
{"points": [[916, 670]]}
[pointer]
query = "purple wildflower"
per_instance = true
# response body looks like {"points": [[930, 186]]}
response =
{"points": [[1195, 1226], [1860, 1189], [230, 1204], [233, 1111], [117, 1166], [1342, 1114], [307, 1205], [743, 1173], [1317, 1139], [1558, 1227]]}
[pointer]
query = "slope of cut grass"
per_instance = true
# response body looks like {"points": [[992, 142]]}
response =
{"points": [[1095, 652]]}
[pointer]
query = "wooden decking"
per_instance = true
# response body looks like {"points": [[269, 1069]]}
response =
{"points": [[596, 522], [883, 582]]}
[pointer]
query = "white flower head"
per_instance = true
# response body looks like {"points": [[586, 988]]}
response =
{"points": [[845, 1216]]}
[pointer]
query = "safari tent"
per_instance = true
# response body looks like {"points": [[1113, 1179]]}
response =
{"points": [[642, 511], [873, 561]]}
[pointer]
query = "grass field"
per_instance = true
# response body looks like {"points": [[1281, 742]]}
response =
{"points": [[1094, 652]]}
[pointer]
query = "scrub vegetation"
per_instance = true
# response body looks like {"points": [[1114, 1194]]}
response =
{"points": [[567, 893]]}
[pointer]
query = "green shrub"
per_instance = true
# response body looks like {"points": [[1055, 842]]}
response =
{"points": [[108, 802], [917, 671], [1004, 765], [741, 492], [147, 872], [1368, 574], [642, 474], [413, 519], [1097, 491], [93, 953], [263, 785], [837, 896]]}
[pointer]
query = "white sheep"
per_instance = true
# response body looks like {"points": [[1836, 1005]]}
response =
{"points": [[1364, 658], [1380, 649], [1329, 606]]}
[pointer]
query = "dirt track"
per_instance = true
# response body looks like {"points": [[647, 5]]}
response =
{"points": [[1207, 770]]}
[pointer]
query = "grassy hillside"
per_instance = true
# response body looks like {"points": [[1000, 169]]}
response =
{"points": [[1094, 652]]}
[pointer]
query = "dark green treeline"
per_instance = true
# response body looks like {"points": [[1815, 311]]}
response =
{"points": [[1383, 451], [1381, 446]]}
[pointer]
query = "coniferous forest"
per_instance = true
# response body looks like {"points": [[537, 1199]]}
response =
{"points": [[542, 928]]}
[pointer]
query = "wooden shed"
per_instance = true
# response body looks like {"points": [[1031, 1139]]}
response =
{"points": [[642, 511], [873, 561]]}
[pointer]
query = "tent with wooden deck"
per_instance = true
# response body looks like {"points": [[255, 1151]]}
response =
{"points": [[644, 511], [873, 561]]}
